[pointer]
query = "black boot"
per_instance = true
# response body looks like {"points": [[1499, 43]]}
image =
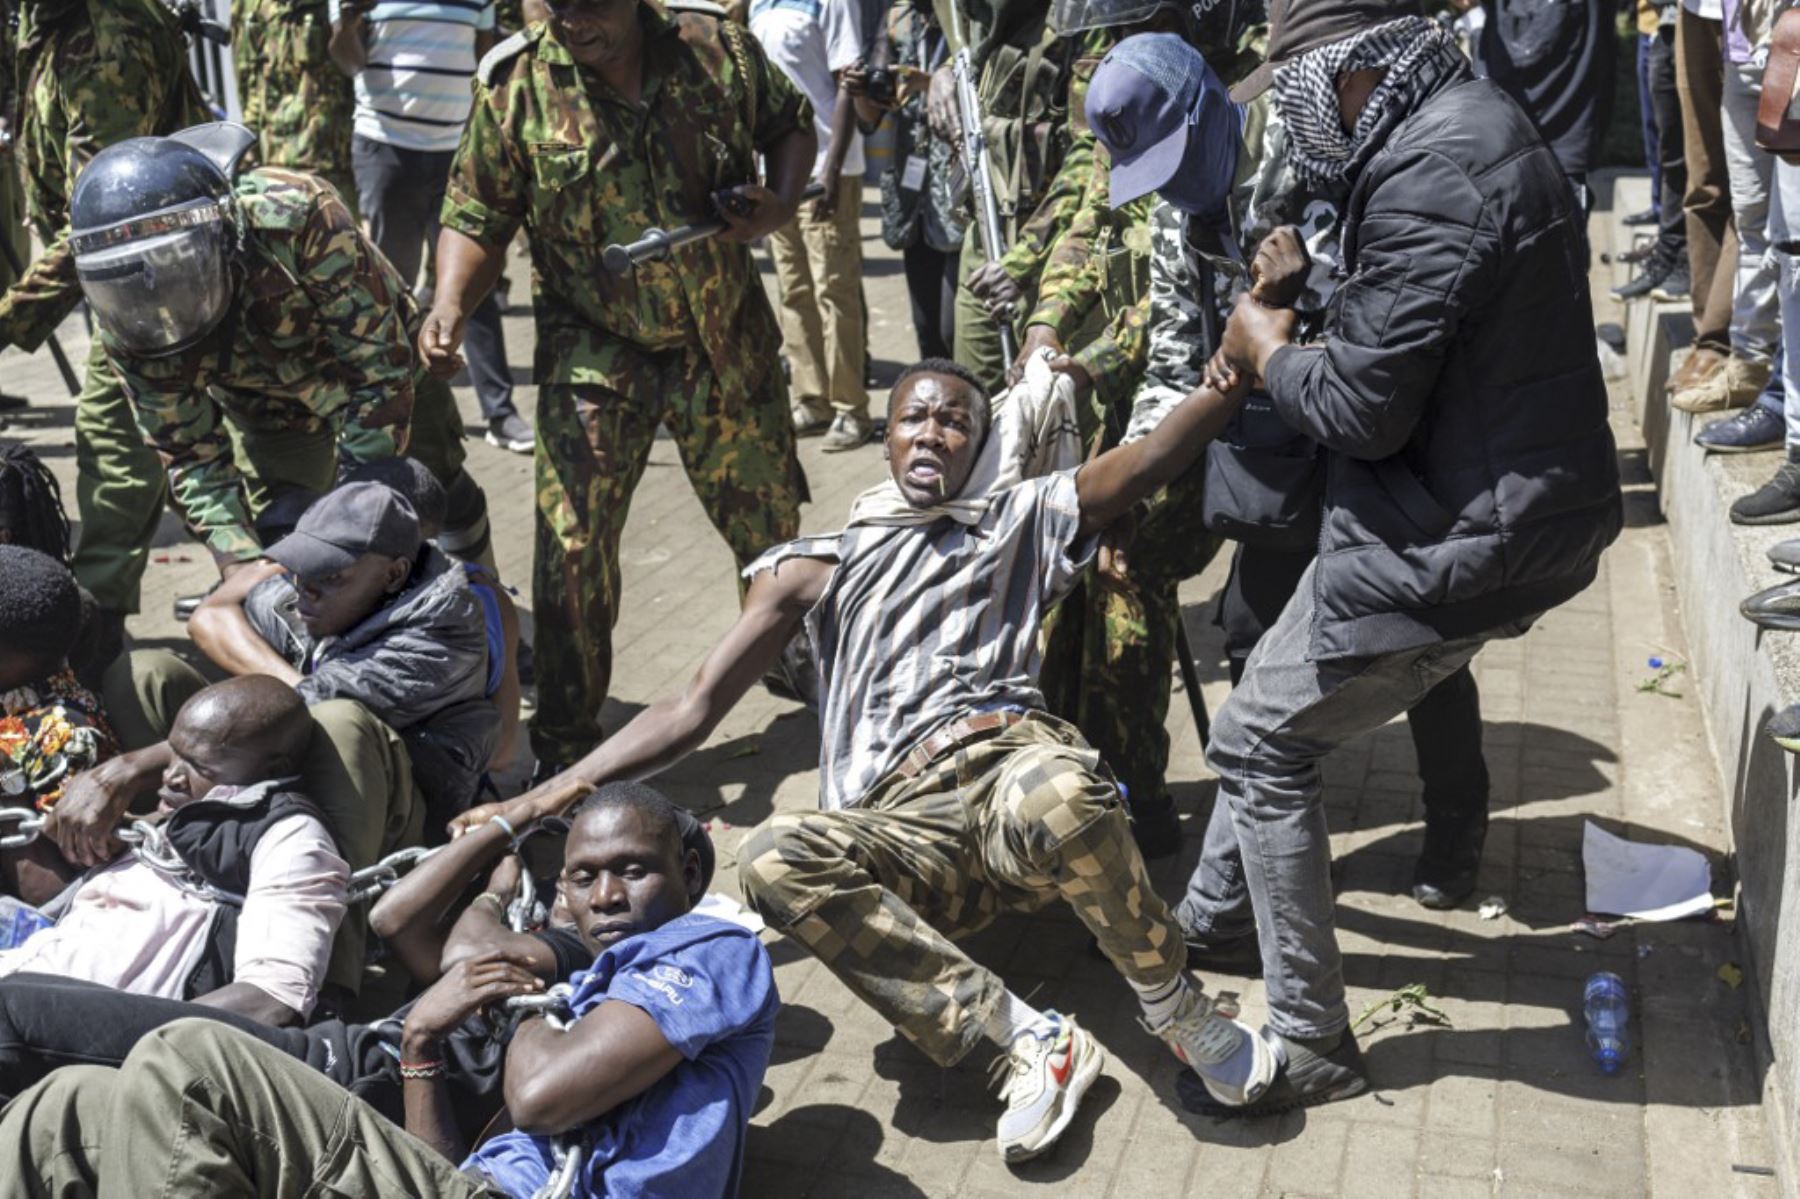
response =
{"points": [[1155, 827], [1446, 870]]}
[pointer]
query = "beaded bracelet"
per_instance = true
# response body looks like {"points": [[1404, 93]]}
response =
{"points": [[422, 1071]]}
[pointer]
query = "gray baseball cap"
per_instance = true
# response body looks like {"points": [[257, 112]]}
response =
{"points": [[346, 523]]}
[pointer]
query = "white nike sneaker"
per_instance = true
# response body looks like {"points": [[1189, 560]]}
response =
{"points": [[1233, 1060], [1042, 1077]]}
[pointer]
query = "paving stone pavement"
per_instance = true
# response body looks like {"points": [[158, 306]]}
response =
{"points": [[1500, 1099]]}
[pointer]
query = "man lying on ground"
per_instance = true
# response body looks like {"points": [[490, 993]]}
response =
{"points": [[383, 639], [46, 1023], [655, 1076], [949, 795], [235, 901]]}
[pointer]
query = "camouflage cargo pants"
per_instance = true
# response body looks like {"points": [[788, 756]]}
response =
{"points": [[879, 893], [737, 443], [1111, 643]]}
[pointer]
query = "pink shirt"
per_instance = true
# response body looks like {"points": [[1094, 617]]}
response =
{"points": [[132, 927]]}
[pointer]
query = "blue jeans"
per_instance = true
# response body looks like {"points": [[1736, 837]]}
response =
{"points": [[1288, 714], [1784, 242], [1647, 121], [400, 192]]}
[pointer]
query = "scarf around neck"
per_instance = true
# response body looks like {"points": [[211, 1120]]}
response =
{"points": [[1306, 94]]}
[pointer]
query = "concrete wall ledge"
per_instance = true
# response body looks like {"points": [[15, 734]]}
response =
{"points": [[1742, 675]]}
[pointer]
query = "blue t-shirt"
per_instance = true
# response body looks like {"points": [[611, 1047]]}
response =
{"points": [[709, 986]]}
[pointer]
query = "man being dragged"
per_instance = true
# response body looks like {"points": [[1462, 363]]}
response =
{"points": [[949, 794]]}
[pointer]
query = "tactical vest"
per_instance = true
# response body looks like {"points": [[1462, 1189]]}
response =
{"points": [[1024, 91]]}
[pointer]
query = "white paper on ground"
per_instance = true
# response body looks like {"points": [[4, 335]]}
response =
{"points": [[1648, 882], [722, 907]]}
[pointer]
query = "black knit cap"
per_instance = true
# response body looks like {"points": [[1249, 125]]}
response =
{"points": [[1296, 26]]}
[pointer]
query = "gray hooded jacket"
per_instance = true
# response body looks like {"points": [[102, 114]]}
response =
{"points": [[420, 663]]}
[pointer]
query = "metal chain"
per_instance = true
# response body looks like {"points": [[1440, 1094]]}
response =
{"points": [[30, 826], [371, 881]]}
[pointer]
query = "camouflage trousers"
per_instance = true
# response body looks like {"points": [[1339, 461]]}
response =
{"points": [[737, 444], [1111, 643], [879, 893]]}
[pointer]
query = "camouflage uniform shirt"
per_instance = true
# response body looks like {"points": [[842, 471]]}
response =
{"points": [[103, 73], [300, 105], [1097, 254], [551, 147], [319, 338]]}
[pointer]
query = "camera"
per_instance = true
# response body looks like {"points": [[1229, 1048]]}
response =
{"points": [[882, 86]]}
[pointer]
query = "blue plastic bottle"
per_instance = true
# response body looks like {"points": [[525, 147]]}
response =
{"points": [[1608, 1011], [18, 921]]}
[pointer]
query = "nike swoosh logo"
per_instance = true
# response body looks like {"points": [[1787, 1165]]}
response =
{"points": [[1059, 1071]]}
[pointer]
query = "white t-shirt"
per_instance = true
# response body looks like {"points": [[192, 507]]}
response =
{"points": [[808, 40]]}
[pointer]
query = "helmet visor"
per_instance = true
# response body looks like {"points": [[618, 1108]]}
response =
{"points": [[1070, 17], [160, 294]]}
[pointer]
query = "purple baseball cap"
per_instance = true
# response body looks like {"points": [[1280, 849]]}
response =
{"points": [[1155, 105]]}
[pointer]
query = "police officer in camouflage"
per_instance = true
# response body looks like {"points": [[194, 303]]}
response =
{"points": [[610, 118], [294, 98], [262, 340], [1112, 642], [92, 73]]}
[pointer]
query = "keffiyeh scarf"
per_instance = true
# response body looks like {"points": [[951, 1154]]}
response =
{"points": [[1306, 93]]}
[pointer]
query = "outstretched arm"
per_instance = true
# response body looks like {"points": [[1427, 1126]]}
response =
{"points": [[670, 728], [1113, 483]]}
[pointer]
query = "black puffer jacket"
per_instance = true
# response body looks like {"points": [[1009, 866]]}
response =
{"points": [[1473, 479]]}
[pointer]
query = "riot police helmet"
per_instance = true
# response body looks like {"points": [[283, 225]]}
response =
{"points": [[154, 228]]}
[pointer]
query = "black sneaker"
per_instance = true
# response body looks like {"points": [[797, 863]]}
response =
{"points": [[1646, 281], [1445, 873], [1646, 217], [1784, 729], [1240, 957], [1674, 286], [1776, 502], [1745, 432], [1313, 1073], [1776, 607]]}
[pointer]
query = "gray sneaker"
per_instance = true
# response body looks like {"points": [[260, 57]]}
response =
{"points": [[1042, 1077], [510, 432], [1311, 1073], [848, 432], [1232, 1061]]}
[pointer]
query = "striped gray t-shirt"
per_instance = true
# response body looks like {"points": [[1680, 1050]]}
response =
{"points": [[922, 624]]}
